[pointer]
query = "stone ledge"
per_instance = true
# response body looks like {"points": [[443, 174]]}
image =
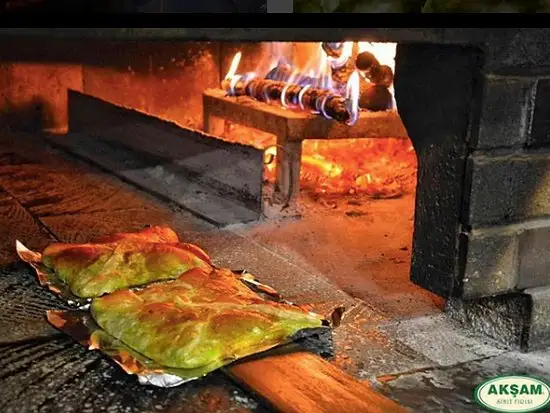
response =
{"points": [[520, 321]]}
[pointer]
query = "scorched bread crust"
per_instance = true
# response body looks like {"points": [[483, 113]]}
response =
{"points": [[122, 260], [199, 319]]}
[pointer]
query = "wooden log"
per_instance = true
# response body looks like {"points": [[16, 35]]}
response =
{"points": [[299, 125], [381, 100], [378, 74], [309, 98], [303, 382]]}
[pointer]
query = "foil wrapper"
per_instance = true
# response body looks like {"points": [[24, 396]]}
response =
{"points": [[80, 325], [48, 279]]}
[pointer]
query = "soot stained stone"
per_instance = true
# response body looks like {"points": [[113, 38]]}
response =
{"points": [[508, 188], [539, 329], [59, 375], [520, 321], [534, 261], [517, 49], [23, 305], [540, 130], [438, 132], [505, 112], [503, 318], [491, 265]]}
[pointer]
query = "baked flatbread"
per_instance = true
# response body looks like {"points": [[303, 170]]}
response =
{"points": [[122, 260], [203, 318]]}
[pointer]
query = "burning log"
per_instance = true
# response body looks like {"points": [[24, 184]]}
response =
{"points": [[374, 97], [365, 61], [373, 70], [309, 98], [285, 73]]}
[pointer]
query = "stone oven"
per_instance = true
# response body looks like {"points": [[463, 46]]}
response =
{"points": [[471, 100], [462, 133]]}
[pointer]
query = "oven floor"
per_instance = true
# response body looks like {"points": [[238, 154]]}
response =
{"points": [[362, 245], [394, 334]]}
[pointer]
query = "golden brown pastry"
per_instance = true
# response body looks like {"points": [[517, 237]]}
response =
{"points": [[203, 318], [122, 260]]}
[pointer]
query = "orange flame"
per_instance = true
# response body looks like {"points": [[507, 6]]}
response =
{"points": [[234, 66]]}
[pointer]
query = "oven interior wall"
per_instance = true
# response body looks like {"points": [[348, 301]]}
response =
{"points": [[164, 79]]}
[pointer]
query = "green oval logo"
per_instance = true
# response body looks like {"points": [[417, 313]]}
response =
{"points": [[517, 394]]}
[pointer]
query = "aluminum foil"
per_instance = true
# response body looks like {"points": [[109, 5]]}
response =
{"points": [[80, 325], [48, 279]]}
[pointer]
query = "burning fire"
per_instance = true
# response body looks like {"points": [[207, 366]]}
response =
{"points": [[339, 73], [310, 89], [376, 167]]}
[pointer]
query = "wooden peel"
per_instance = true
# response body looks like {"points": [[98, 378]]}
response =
{"points": [[302, 382]]}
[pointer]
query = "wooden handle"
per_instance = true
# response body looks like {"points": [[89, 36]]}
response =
{"points": [[305, 383]]}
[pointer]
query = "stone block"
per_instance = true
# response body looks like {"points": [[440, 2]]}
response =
{"points": [[34, 77], [504, 318], [520, 321], [35, 94], [491, 264], [534, 260], [517, 49], [505, 112], [164, 79], [539, 329], [540, 129], [508, 188], [120, 74]]}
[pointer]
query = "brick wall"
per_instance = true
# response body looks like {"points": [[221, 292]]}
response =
{"points": [[482, 226]]}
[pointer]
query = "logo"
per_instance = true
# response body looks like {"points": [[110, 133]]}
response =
{"points": [[518, 394]]}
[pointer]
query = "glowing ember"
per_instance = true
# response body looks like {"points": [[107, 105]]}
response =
{"points": [[379, 168]]}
